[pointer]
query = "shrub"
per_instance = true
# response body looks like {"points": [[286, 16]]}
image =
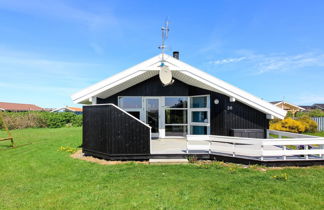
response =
{"points": [[289, 125], [192, 159], [310, 125], [19, 120], [311, 113], [303, 124]]}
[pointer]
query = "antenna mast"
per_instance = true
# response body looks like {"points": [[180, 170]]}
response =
{"points": [[165, 32]]}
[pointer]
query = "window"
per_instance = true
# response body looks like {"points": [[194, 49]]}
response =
{"points": [[176, 116], [132, 105], [176, 102], [127, 102], [199, 114], [178, 130], [199, 130], [135, 114], [198, 102]]}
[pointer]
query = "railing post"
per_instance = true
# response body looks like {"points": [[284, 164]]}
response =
{"points": [[233, 149], [262, 152], [306, 148], [187, 146], [322, 148], [284, 149]]}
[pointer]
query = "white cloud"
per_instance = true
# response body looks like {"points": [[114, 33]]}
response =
{"points": [[228, 60], [262, 63]]}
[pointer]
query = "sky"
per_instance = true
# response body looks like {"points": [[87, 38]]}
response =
{"points": [[49, 50]]}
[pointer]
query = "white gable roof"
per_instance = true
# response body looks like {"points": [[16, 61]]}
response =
{"points": [[180, 71]]}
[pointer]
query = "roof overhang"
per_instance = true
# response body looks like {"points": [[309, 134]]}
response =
{"points": [[291, 105], [181, 71]]}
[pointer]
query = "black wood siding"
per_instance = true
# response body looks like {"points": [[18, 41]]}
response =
{"points": [[222, 120], [108, 131]]}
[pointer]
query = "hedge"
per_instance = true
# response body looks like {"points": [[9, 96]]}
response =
{"points": [[19, 120]]}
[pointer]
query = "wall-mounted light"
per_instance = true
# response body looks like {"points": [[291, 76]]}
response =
{"points": [[232, 99], [216, 101]]}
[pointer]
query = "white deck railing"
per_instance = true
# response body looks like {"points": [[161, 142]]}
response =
{"points": [[298, 147]]}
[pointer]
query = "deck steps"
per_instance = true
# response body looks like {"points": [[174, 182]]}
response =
{"points": [[168, 161]]}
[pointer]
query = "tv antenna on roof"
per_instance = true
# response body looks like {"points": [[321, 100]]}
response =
{"points": [[165, 33], [165, 73]]}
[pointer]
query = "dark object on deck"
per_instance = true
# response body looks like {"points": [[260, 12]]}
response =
{"points": [[249, 133], [108, 131]]}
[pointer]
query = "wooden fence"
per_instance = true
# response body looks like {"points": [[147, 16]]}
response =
{"points": [[320, 123], [111, 133]]}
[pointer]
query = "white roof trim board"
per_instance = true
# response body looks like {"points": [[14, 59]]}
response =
{"points": [[180, 71]]}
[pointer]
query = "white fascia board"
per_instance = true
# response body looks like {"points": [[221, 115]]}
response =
{"points": [[116, 79], [229, 90]]}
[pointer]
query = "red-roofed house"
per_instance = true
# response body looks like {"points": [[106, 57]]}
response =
{"points": [[15, 107]]}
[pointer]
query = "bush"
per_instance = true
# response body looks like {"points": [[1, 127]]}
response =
{"points": [[311, 113], [19, 120], [303, 124], [310, 125], [289, 125]]}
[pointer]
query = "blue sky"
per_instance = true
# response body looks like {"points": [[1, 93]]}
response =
{"points": [[51, 49]]}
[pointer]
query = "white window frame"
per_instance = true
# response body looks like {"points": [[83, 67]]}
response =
{"points": [[140, 110], [180, 124], [200, 109]]}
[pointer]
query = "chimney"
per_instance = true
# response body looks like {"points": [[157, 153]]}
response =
{"points": [[176, 54]]}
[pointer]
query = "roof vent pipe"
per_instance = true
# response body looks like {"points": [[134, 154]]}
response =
{"points": [[176, 54]]}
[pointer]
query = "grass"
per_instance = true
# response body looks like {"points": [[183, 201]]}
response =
{"points": [[37, 175], [320, 133]]}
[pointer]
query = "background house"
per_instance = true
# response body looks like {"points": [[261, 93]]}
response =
{"points": [[75, 110], [289, 107], [17, 107]]}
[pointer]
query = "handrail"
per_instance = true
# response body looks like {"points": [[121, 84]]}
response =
{"points": [[264, 147], [111, 104], [289, 134]]}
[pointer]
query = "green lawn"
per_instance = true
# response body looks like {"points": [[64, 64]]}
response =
{"points": [[37, 175]]}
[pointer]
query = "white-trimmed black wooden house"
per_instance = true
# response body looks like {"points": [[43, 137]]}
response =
{"points": [[196, 103]]}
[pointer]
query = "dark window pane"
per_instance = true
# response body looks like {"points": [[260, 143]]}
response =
{"points": [[199, 117], [175, 130], [175, 116], [199, 130], [176, 102], [198, 102], [130, 102], [152, 114], [135, 114]]}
